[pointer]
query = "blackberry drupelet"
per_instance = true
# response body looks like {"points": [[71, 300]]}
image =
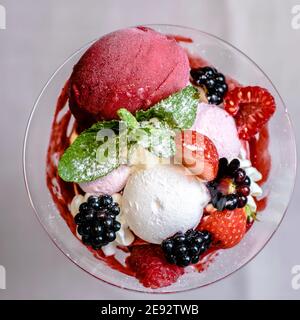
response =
{"points": [[239, 183], [96, 221], [213, 83], [186, 248]]}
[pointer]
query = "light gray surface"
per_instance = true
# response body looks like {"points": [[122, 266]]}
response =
{"points": [[40, 35]]}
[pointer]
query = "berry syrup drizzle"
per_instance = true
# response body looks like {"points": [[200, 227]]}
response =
{"points": [[62, 192]]}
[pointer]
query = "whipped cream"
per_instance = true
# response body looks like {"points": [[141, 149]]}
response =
{"points": [[254, 176]]}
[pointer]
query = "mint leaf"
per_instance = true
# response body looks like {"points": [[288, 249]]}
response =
{"points": [[103, 147], [161, 138], [82, 161], [128, 118], [178, 110]]}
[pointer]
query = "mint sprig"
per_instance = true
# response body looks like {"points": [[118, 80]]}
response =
{"points": [[99, 150]]}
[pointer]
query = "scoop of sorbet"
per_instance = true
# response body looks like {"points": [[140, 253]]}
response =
{"points": [[131, 68], [112, 183], [219, 126]]}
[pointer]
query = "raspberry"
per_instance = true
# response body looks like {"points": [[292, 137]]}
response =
{"points": [[151, 268], [252, 108]]}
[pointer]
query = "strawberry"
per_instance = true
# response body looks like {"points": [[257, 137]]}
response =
{"points": [[197, 153], [227, 227], [151, 268], [252, 108]]}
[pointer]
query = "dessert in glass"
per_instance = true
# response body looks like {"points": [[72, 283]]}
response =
{"points": [[169, 158]]}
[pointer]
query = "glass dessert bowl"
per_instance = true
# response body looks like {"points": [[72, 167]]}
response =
{"points": [[53, 199]]}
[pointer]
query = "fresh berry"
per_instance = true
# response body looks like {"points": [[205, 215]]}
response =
{"points": [[186, 248], [230, 188], [106, 201], [116, 226], [247, 181], [183, 260], [179, 239], [219, 201], [84, 229], [151, 268], [83, 207], [239, 176], [231, 201], [110, 236], [212, 82], [244, 190], [97, 242], [86, 240], [114, 209], [234, 165], [89, 214], [94, 202], [226, 227], [242, 201], [168, 246], [79, 218], [198, 153], [223, 168], [97, 229], [96, 221], [252, 108]]}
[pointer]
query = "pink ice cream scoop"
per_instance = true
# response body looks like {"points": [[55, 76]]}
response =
{"points": [[131, 68], [112, 183], [219, 126]]}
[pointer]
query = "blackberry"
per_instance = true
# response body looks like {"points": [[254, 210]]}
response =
{"points": [[231, 201], [239, 176], [184, 249], [106, 201], [213, 83], [96, 221], [116, 226], [239, 182], [242, 201], [114, 209], [219, 201]]}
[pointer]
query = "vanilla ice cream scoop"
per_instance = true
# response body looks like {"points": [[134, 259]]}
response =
{"points": [[162, 200]]}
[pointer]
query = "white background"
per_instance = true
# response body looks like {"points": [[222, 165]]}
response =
{"points": [[40, 35]]}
